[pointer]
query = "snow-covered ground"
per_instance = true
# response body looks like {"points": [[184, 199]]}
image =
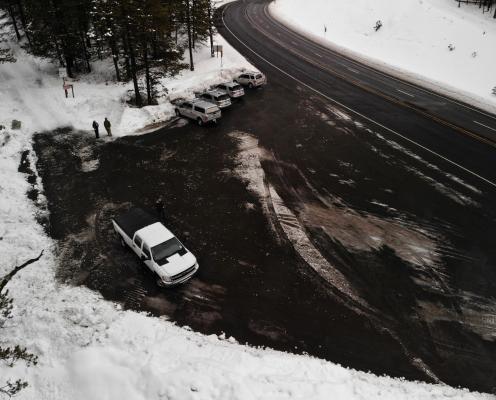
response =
{"points": [[33, 84], [412, 42], [89, 348]]}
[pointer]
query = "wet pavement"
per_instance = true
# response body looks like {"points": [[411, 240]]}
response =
{"points": [[315, 233]]}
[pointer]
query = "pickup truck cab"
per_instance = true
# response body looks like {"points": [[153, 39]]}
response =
{"points": [[199, 110], [156, 246]]}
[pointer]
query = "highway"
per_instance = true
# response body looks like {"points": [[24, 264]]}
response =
{"points": [[392, 150], [441, 126]]}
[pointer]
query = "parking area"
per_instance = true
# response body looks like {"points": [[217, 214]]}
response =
{"points": [[253, 284]]}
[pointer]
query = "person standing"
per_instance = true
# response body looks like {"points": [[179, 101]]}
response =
{"points": [[160, 208], [95, 127], [107, 126]]}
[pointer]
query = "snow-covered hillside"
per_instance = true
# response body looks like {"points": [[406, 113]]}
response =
{"points": [[32, 92], [413, 41]]}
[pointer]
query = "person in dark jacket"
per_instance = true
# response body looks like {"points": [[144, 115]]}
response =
{"points": [[95, 127], [107, 126], [160, 208]]}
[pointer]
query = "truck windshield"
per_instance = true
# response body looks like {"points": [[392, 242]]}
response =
{"points": [[161, 252]]}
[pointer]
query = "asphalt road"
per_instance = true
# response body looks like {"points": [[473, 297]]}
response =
{"points": [[317, 230], [447, 135], [436, 123]]}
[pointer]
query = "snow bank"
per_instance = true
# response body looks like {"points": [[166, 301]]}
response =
{"points": [[412, 42], [35, 96]]}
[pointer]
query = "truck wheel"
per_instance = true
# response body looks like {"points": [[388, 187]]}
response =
{"points": [[200, 122], [160, 283], [250, 85]]}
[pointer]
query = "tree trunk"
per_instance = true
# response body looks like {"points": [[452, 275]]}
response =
{"points": [[188, 25], [210, 30], [23, 20], [147, 75], [69, 63], [86, 54], [14, 22], [193, 23], [115, 59], [133, 68]]}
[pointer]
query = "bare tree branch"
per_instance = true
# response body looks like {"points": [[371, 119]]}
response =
{"points": [[10, 275]]}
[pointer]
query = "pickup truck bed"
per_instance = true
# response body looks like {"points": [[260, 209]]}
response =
{"points": [[134, 220]]}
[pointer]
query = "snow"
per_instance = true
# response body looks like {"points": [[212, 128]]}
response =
{"points": [[33, 84], [90, 348], [412, 42]]}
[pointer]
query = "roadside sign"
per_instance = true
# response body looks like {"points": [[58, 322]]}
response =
{"points": [[68, 87], [62, 73], [218, 49]]}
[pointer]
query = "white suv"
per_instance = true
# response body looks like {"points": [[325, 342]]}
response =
{"points": [[199, 110], [218, 97], [251, 79], [234, 90]]}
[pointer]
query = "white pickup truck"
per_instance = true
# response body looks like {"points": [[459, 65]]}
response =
{"points": [[156, 246]]}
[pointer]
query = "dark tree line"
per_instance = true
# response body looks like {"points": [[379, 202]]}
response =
{"points": [[485, 5], [145, 37]]}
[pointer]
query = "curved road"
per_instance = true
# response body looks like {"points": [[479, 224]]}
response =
{"points": [[447, 129], [405, 152]]}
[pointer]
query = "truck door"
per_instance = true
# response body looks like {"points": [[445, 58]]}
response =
{"points": [[137, 242], [147, 257]]}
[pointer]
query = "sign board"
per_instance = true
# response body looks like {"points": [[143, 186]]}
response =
{"points": [[62, 73], [66, 89], [218, 49]]}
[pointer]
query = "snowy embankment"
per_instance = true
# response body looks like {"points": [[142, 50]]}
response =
{"points": [[413, 42], [32, 83], [89, 348]]}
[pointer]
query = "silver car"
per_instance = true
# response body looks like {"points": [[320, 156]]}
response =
{"points": [[199, 110], [218, 97], [234, 90], [251, 79]]}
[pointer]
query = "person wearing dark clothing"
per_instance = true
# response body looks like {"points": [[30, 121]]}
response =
{"points": [[95, 127], [107, 126], [160, 208]]}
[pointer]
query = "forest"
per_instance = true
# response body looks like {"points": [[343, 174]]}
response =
{"points": [[143, 37], [484, 5]]}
